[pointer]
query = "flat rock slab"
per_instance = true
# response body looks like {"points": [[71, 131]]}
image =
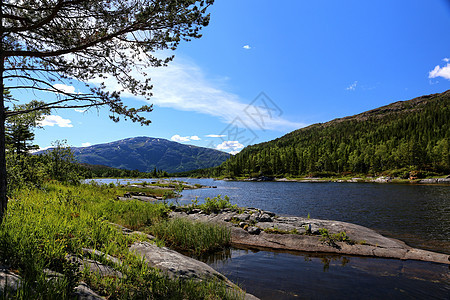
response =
{"points": [[365, 241], [174, 264], [177, 265]]}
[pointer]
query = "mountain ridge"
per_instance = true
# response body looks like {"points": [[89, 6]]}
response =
{"points": [[147, 153]]}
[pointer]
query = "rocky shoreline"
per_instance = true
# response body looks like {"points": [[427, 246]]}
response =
{"points": [[252, 227], [381, 179]]}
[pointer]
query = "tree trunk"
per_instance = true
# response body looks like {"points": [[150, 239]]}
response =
{"points": [[3, 198]]}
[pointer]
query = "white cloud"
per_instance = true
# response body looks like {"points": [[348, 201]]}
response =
{"points": [[247, 47], [80, 110], [65, 88], [180, 139], [215, 135], [87, 144], [439, 71], [446, 59], [184, 86], [53, 120], [352, 87], [232, 147]]}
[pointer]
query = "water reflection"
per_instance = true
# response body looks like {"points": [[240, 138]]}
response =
{"points": [[293, 275]]}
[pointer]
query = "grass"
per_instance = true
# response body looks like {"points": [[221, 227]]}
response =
{"points": [[332, 239], [42, 226], [193, 237], [275, 230], [211, 205]]}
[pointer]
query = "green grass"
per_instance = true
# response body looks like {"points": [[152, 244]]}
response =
{"points": [[42, 226], [193, 237]]}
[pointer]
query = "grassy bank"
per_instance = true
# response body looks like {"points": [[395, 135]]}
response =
{"points": [[43, 226]]}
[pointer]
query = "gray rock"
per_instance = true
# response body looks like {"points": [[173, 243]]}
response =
{"points": [[83, 292], [253, 230], [96, 253], [265, 218], [383, 179], [242, 224], [443, 180], [269, 213], [94, 266], [254, 217], [242, 217], [173, 263], [9, 282]]}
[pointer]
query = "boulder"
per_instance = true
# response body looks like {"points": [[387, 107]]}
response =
{"points": [[94, 266], [242, 217], [9, 282], [265, 218], [173, 263], [83, 292], [253, 230]]}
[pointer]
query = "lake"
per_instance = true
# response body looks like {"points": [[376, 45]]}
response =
{"points": [[416, 214]]}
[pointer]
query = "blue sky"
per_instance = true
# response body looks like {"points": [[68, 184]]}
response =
{"points": [[265, 68]]}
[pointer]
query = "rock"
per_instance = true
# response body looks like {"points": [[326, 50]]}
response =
{"points": [[253, 230], [97, 253], [269, 213], [9, 282], [265, 218], [94, 266], [242, 217], [242, 224], [383, 179], [193, 211], [177, 265], [173, 263], [83, 292]]}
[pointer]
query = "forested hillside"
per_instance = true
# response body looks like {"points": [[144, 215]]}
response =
{"points": [[398, 139]]}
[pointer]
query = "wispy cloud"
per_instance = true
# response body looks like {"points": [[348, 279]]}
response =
{"points": [[80, 110], [181, 139], [87, 144], [215, 135], [352, 87], [54, 120], [446, 59], [439, 71], [247, 47], [184, 86]]}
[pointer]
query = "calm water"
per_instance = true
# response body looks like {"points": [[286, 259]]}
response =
{"points": [[278, 275], [416, 214]]}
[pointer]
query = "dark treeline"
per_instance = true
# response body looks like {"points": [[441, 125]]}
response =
{"points": [[97, 171], [401, 139]]}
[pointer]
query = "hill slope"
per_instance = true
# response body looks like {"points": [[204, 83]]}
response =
{"points": [[145, 154], [400, 137]]}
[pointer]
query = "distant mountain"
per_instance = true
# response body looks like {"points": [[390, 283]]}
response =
{"points": [[399, 138], [145, 154]]}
